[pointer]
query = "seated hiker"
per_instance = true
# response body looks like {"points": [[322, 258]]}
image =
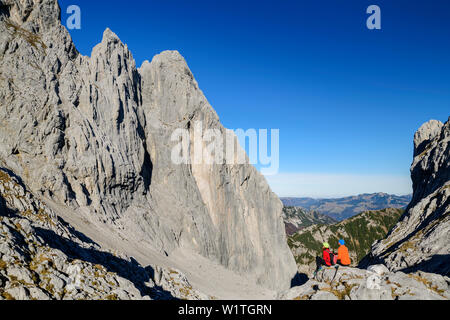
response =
{"points": [[343, 258], [326, 259]]}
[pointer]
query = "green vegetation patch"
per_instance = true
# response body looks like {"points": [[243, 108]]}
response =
{"points": [[359, 233]]}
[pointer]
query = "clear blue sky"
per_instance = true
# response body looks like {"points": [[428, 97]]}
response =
{"points": [[347, 100]]}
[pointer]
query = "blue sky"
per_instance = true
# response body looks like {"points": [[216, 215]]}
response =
{"points": [[347, 100]]}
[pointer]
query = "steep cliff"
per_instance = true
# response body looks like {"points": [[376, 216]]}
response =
{"points": [[420, 240], [94, 134]]}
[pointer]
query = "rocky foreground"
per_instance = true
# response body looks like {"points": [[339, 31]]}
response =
{"points": [[376, 283], [43, 257]]}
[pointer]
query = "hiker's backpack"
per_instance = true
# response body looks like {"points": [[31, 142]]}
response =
{"points": [[333, 258]]}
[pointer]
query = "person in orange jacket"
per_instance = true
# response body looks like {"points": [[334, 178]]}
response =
{"points": [[343, 258]]}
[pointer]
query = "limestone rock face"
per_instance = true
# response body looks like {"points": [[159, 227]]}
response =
{"points": [[94, 133], [420, 239], [232, 215]]}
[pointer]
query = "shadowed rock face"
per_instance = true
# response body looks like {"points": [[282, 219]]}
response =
{"points": [[43, 257], [94, 133], [420, 240]]}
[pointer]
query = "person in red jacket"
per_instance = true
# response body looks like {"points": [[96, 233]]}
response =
{"points": [[325, 260]]}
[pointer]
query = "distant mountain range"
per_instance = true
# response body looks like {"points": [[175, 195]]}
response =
{"points": [[296, 219], [359, 233], [343, 208]]}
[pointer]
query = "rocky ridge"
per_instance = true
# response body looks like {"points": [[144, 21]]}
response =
{"points": [[94, 134], [296, 219], [420, 239]]}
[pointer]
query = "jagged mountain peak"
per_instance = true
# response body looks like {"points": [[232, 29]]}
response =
{"points": [[109, 36], [93, 134], [420, 239], [425, 134]]}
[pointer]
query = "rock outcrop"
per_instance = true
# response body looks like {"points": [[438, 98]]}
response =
{"points": [[94, 134], [43, 257], [376, 283], [420, 240]]}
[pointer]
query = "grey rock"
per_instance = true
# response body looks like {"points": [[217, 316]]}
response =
{"points": [[420, 239], [94, 133], [360, 284], [364, 293], [379, 269], [20, 274], [38, 294], [18, 292], [323, 295], [426, 133], [302, 292]]}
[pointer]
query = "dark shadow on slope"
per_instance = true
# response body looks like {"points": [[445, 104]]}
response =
{"points": [[4, 10], [439, 264], [435, 217], [75, 232], [5, 211], [13, 175], [130, 270], [147, 171], [18, 237], [299, 279]]}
